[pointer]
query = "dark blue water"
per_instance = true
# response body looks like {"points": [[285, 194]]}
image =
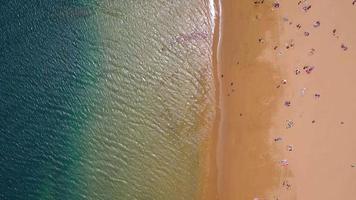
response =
{"points": [[43, 74]]}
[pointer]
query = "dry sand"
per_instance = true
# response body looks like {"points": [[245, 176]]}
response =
{"points": [[323, 136], [257, 47]]}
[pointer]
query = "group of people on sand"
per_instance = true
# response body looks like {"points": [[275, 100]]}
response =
{"points": [[307, 69]]}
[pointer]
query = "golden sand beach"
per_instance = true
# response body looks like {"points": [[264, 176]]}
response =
{"points": [[285, 72]]}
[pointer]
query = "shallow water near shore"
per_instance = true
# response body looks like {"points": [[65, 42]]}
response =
{"points": [[104, 99]]}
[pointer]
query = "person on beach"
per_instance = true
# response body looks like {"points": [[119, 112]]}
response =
{"points": [[276, 4], [344, 47], [316, 24]]}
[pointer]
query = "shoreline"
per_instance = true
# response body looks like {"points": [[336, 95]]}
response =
{"points": [[233, 66], [209, 175], [248, 98]]}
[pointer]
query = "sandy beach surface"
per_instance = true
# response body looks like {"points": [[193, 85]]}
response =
{"points": [[285, 72], [320, 145]]}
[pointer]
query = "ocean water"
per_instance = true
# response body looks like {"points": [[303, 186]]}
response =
{"points": [[104, 99]]}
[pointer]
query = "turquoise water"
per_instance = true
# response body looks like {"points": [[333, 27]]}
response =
{"points": [[104, 99]]}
